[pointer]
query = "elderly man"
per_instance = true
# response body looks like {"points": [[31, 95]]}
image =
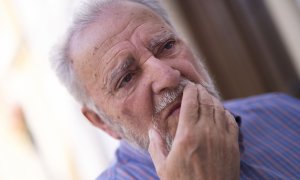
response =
{"points": [[138, 81]]}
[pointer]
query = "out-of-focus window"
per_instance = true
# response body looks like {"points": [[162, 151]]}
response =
{"points": [[42, 132], [286, 16], [246, 50]]}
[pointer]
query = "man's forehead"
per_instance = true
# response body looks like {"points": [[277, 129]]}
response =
{"points": [[101, 33]]}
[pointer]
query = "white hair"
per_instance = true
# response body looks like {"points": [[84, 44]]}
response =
{"points": [[60, 59]]}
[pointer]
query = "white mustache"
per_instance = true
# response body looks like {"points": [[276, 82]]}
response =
{"points": [[169, 96]]}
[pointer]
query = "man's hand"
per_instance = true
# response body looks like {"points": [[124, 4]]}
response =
{"points": [[206, 141]]}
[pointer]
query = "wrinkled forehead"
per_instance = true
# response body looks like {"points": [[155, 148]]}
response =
{"points": [[114, 19]]}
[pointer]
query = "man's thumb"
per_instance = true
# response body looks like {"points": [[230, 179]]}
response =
{"points": [[156, 149]]}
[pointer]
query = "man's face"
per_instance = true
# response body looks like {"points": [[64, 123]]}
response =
{"points": [[135, 67]]}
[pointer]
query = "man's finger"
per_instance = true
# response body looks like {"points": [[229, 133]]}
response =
{"points": [[189, 113], [205, 98], [232, 125], [206, 104], [156, 149]]}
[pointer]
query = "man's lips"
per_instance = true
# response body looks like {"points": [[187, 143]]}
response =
{"points": [[172, 108]]}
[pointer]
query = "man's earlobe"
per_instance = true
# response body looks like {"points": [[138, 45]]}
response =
{"points": [[95, 119]]}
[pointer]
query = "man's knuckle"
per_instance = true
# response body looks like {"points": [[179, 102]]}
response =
{"points": [[207, 131], [159, 171], [192, 102], [233, 124], [188, 139]]}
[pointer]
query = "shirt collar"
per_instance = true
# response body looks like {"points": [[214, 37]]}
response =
{"points": [[127, 152]]}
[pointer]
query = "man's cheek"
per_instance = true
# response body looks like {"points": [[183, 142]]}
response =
{"points": [[127, 112]]}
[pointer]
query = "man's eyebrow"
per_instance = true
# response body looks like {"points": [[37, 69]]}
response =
{"points": [[120, 68], [160, 38]]}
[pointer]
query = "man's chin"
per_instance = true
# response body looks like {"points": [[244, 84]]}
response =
{"points": [[142, 143], [167, 132]]}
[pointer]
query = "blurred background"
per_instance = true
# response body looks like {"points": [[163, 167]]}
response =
{"points": [[250, 47]]}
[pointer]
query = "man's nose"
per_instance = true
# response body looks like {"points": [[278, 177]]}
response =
{"points": [[163, 75]]}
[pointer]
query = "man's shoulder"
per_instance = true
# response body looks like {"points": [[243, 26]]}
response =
{"points": [[265, 98], [271, 136], [128, 170], [275, 110], [116, 171], [258, 103]]}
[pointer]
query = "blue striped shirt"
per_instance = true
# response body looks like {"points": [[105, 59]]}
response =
{"points": [[271, 142]]}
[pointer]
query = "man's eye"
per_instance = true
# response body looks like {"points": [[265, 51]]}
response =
{"points": [[166, 48], [169, 45], [126, 79]]}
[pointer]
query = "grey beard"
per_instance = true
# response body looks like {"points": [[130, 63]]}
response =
{"points": [[169, 96]]}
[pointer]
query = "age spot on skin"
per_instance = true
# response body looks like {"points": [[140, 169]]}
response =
{"points": [[95, 50], [127, 112]]}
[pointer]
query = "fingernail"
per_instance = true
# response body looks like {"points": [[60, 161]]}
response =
{"points": [[191, 83]]}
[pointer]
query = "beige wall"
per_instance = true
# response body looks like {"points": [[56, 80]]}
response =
{"points": [[286, 16], [178, 20]]}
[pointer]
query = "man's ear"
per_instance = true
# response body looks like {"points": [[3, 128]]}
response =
{"points": [[95, 119]]}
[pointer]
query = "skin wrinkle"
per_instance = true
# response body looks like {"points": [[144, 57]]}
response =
{"points": [[109, 41], [119, 69], [95, 50], [104, 73], [82, 63], [140, 141], [126, 111], [160, 38]]}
